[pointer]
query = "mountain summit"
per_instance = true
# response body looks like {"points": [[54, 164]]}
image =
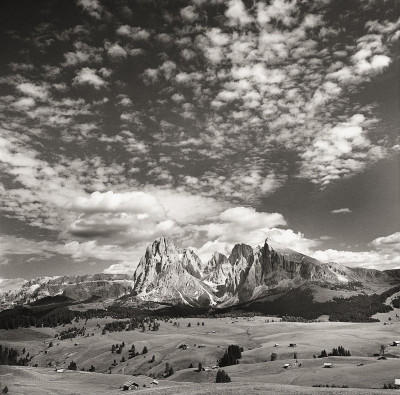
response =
{"points": [[170, 274]]}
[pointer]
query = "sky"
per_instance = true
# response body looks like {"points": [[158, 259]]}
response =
{"points": [[207, 122]]}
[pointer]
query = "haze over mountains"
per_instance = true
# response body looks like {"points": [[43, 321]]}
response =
{"points": [[170, 274]]}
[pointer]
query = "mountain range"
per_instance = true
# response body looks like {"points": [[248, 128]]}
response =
{"points": [[170, 274]]}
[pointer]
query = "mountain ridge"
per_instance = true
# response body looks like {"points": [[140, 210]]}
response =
{"points": [[171, 274]]}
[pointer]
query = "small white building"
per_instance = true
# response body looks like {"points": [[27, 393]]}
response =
{"points": [[397, 382], [154, 382], [286, 365], [396, 343], [328, 365], [130, 385]]}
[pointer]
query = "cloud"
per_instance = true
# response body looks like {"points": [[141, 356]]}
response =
{"points": [[10, 284], [189, 14], [249, 219], [134, 32], [237, 13], [135, 202], [384, 255], [33, 90], [115, 51], [24, 103], [88, 76], [84, 53], [341, 211], [338, 152], [92, 7], [388, 244]]}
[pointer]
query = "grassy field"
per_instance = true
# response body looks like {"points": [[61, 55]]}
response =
{"points": [[255, 373]]}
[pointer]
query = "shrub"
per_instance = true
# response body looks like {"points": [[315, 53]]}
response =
{"points": [[222, 377]]}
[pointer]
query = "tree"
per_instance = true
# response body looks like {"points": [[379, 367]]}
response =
{"points": [[153, 358], [323, 354], [5, 390], [191, 365], [200, 368], [274, 356], [189, 325], [72, 365], [171, 371], [295, 355], [383, 348], [123, 359], [145, 350], [113, 349], [222, 377], [92, 369]]}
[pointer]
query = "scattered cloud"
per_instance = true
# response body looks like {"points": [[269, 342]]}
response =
{"points": [[341, 211], [92, 7], [208, 111], [88, 76]]}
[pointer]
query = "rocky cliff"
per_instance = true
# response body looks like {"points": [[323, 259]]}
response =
{"points": [[167, 273]]}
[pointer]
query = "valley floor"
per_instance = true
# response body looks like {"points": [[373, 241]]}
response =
{"points": [[363, 373]]}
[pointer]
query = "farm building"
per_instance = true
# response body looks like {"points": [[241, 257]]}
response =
{"points": [[60, 370], [292, 345], [154, 382], [328, 365], [286, 365], [130, 385], [396, 343]]}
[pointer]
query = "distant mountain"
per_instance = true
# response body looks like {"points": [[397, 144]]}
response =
{"points": [[167, 273]]}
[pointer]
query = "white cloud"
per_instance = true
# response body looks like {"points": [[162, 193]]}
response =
{"points": [[88, 76], [189, 14], [115, 51], [384, 255], [92, 7], [135, 33], [249, 219], [341, 211], [237, 13], [389, 244], [10, 284], [34, 90], [136, 202], [24, 103]]}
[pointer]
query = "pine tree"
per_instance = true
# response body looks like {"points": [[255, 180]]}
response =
{"points": [[222, 377], [145, 351]]}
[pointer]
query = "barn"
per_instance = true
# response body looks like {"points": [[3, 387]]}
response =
{"points": [[130, 385], [328, 365]]}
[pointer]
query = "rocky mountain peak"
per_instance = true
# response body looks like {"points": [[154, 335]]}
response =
{"points": [[240, 251]]}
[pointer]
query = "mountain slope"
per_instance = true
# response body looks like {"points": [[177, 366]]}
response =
{"points": [[167, 273]]}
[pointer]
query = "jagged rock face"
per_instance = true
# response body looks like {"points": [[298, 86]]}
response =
{"points": [[167, 273], [170, 274], [218, 269]]}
